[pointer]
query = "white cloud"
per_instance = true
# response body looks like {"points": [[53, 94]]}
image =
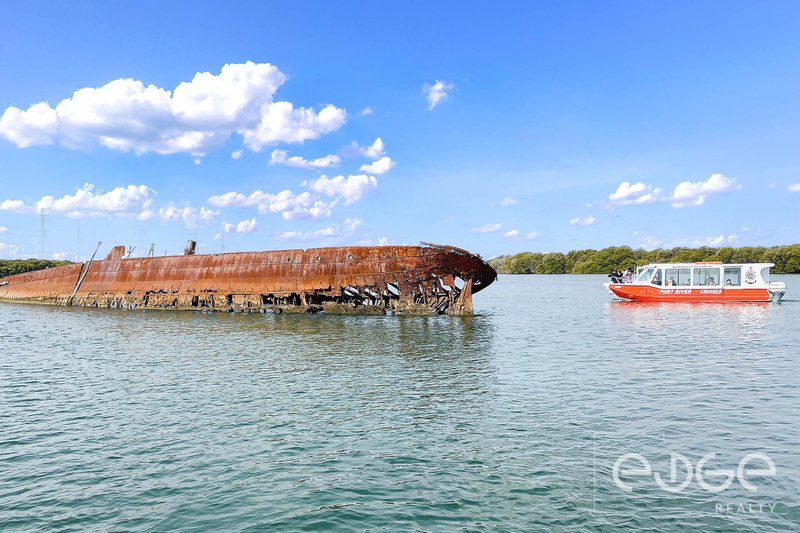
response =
{"points": [[3, 229], [516, 234], [237, 154], [688, 193], [9, 250], [346, 229], [381, 166], [650, 243], [717, 240], [487, 228], [89, 201], [13, 205], [36, 126], [507, 202], [280, 157], [634, 194], [245, 226], [437, 92], [366, 111], [190, 216], [290, 205], [795, 187], [352, 188], [373, 151], [578, 221], [197, 117], [280, 122]]}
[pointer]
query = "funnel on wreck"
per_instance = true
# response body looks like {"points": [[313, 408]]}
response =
{"points": [[425, 279]]}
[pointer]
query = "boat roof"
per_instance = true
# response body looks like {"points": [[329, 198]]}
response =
{"points": [[707, 263]]}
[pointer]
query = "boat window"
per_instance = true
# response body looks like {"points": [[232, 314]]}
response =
{"points": [[646, 274], [733, 276], [706, 276], [674, 277], [658, 278]]}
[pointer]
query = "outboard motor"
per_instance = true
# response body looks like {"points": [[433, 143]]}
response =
{"points": [[777, 289]]}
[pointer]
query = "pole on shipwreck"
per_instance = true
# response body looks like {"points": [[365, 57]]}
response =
{"points": [[83, 275]]}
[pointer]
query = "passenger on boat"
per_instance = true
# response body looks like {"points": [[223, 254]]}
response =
{"points": [[671, 282], [627, 277], [728, 283], [657, 278], [616, 276], [711, 281]]}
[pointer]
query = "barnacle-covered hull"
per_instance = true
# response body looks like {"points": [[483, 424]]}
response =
{"points": [[426, 279]]}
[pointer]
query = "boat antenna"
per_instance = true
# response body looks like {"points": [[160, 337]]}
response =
{"points": [[130, 251], [152, 250]]}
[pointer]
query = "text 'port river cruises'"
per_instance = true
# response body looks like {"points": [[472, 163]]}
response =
{"points": [[710, 281]]}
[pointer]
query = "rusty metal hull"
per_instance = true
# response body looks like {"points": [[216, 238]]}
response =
{"points": [[426, 279]]}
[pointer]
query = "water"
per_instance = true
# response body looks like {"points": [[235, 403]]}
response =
{"points": [[510, 420]]}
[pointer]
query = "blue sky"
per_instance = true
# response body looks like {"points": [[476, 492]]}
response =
{"points": [[502, 128]]}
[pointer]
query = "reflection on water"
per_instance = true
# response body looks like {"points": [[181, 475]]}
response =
{"points": [[692, 319], [510, 419]]}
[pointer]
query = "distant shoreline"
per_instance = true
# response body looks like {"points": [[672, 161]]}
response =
{"points": [[786, 259]]}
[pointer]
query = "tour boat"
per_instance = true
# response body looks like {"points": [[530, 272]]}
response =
{"points": [[709, 281]]}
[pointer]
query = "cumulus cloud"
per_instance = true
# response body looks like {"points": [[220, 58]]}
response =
{"points": [[366, 111], [13, 205], [795, 187], [381, 166], [190, 216], [373, 151], [89, 201], [692, 193], [3, 229], [516, 234], [291, 206], [281, 122], [634, 194], [685, 194], [578, 221], [307, 204], [345, 229], [9, 250], [281, 157], [245, 226], [506, 202], [487, 228], [351, 189], [237, 154], [437, 92], [717, 240], [196, 117]]}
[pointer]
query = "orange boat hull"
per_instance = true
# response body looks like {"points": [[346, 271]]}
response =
{"points": [[647, 293]]}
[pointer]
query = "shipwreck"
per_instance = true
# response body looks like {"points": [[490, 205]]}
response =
{"points": [[422, 280]]}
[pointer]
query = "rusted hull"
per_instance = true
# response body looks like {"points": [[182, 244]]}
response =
{"points": [[427, 279]]}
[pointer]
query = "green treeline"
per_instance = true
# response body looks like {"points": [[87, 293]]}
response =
{"points": [[9, 267], [786, 259]]}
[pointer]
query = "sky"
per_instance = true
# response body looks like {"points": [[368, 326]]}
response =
{"points": [[499, 128]]}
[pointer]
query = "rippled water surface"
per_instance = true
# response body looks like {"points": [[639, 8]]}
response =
{"points": [[509, 420]]}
